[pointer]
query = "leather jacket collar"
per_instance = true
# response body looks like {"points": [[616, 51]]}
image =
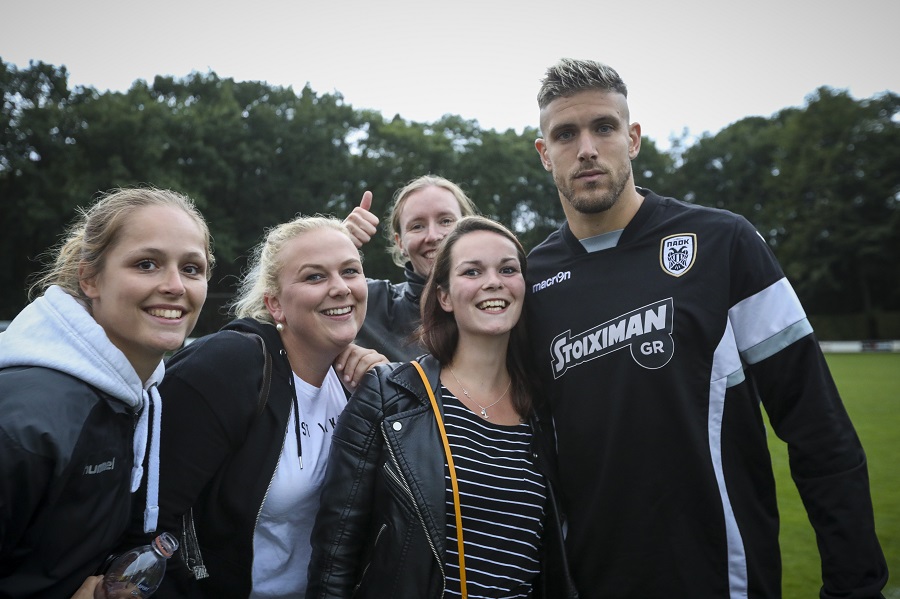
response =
{"points": [[407, 376]]}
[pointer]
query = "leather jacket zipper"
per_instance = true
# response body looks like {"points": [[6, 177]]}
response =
{"points": [[366, 569], [398, 477]]}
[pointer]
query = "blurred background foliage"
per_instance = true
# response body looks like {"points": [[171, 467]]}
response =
{"points": [[821, 183]]}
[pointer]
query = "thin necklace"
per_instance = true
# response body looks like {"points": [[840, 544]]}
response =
{"points": [[484, 409]]}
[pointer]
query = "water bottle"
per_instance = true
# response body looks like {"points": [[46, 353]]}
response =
{"points": [[137, 574]]}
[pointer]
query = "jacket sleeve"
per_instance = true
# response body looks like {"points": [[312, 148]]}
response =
{"points": [[26, 477], [209, 396], [342, 524], [37, 453], [827, 461], [828, 466]]}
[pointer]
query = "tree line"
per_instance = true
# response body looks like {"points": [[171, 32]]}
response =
{"points": [[821, 183]]}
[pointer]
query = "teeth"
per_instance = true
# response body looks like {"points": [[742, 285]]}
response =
{"points": [[338, 311], [172, 314], [492, 305]]}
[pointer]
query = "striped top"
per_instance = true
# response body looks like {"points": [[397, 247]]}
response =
{"points": [[502, 496]]}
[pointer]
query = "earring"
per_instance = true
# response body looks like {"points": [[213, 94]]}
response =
{"points": [[279, 327]]}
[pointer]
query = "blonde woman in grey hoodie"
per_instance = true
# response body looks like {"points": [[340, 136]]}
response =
{"points": [[79, 366]]}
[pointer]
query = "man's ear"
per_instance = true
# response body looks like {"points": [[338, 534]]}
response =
{"points": [[541, 148], [634, 134]]}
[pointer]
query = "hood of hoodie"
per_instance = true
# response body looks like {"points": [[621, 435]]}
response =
{"points": [[55, 331]]}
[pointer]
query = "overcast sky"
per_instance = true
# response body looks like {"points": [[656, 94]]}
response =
{"points": [[688, 65]]}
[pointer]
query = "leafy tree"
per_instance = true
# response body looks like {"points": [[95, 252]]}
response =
{"points": [[510, 185], [37, 157], [819, 182], [840, 209], [735, 170], [253, 155], [654, 169]]}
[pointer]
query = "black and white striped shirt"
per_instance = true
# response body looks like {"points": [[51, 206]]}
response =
{"points": [[502, 496]]}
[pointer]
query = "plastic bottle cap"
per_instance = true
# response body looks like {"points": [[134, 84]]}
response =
{"points": [[165, 544]]}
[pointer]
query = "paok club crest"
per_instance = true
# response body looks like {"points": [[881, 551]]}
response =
{"points": [[677, 253]]}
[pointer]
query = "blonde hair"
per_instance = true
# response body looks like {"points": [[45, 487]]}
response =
{"points": [[96, 230], [261, 276], [392, 230]]}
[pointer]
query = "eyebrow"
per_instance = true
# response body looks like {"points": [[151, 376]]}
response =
{"points": [[421, 217], [154, 251], [479, 262], [610, 118], [318, 266]]}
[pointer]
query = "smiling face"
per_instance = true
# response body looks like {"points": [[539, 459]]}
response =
{"points": [[486, 286], [152, 284], [321, 296], [426, 217], [588, 146]]}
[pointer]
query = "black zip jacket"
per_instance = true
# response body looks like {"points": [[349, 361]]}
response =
{"points": [[218, 456], [65, 457], [392, 315], [371, 540]]}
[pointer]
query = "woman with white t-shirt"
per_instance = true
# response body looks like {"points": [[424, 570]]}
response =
{"points": [[250, 411]]}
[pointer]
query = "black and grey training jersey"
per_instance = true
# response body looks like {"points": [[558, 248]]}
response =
{"points": [[655, 355]]}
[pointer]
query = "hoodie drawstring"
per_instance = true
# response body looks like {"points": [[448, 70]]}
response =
{"points": [[144, 429]]}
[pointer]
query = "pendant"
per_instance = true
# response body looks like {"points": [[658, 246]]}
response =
{"points": [[484, 413]]}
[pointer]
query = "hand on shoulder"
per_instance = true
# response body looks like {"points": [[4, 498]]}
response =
{"points": [[354, 362]]}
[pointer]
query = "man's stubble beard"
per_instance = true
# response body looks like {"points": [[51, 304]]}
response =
{"points": [[588, 202]]}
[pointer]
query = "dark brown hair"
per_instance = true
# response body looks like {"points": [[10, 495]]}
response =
{"points": [[439, 332]]}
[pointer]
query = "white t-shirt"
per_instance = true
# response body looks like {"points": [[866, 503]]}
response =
{"points": [[281, 542]]}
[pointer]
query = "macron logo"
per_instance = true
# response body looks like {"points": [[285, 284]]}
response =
{"points": [[557, 278], [101, 467]]}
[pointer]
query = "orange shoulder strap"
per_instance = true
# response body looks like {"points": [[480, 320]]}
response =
{"points": [[453, 484]]}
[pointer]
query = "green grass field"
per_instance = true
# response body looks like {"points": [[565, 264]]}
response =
{"points": [[870, 387]]}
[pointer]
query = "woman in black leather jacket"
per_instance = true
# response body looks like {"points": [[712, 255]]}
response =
{"points": [[387, 525]]}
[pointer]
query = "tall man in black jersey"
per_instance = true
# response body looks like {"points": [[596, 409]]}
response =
{"points": [[659, 327]]}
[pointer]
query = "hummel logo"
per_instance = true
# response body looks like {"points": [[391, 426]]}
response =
{"points": [[101, 467]]}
